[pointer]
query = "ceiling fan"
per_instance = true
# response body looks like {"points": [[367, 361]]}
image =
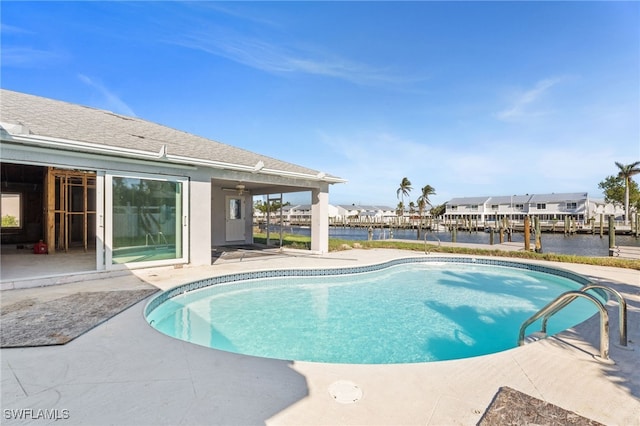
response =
{"points": [[240, 189]]}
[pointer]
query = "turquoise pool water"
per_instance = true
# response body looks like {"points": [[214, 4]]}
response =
{"points": [[405, 313]]}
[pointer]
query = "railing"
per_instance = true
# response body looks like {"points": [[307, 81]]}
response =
{"points": [[564, 299], [622, 306], [153, 240], [425, 242]]}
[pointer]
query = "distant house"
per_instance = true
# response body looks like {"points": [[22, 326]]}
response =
{"points": [[601, 207], [136, 192], [547, 207], [365, 214], [301, 214]]}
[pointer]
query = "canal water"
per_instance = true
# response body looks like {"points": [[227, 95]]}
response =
{"points": [[578, 244]]}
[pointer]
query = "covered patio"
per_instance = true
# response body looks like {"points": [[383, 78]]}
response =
{"points": [[130, 193]]}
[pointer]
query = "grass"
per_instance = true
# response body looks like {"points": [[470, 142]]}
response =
{"points": [[304, 242], [288, 240]]}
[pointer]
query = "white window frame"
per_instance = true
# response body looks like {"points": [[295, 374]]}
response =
{"points": [[107, 220]]}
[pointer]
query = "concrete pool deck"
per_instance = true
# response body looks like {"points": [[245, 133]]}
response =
{"points": [[126, 373]]}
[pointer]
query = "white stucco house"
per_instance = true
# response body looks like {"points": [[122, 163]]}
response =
{"points": [[302, 214], [366, 214], [547, 207], [136, 192]]}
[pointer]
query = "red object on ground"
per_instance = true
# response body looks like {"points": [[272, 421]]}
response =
{"points": [[40, 248]]}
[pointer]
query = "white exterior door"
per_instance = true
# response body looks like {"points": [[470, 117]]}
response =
{"points": [[235, 220]]}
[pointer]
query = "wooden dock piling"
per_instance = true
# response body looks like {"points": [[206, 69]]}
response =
{"points": [[538, 235], [612, 235]]}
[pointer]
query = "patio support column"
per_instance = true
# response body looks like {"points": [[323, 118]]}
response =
{"points": [[199, 217], [320, 219]]}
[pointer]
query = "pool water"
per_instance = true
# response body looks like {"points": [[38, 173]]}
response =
{"points": [[401, 314]]}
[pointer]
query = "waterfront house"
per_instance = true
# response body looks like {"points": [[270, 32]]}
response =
{"points": [[135, 192], [549, 208], [516, 207], [356, 214]]}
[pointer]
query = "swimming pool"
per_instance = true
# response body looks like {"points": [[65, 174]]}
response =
{"points": [[403, 311]]}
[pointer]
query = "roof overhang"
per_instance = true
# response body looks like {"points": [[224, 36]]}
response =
{"points": [[19, 135]]}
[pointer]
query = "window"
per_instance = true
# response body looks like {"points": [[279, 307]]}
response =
{"points": [[541, 206], [519, 207], [235, 208], [572, 206], [454, 208], [474, 207], [494, 206], [11, 210]]}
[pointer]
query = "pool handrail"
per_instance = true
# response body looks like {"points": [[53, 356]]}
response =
{"points": [[622, 307], [553, 307], [425, 242]]}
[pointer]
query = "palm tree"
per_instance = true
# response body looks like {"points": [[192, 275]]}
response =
{"points": [[423, 201], [400, 211], [404, 189], [626, 171]]}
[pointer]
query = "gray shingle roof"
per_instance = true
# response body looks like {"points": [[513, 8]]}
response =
{"points": [[520, 199], [365, 207], [467, 200], [509, 199], [554, 198], [57, 119]]}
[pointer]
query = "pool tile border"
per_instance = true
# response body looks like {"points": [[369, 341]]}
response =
{"points": [[244, 276]]}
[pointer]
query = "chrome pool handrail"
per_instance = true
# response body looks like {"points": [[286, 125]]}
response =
{"points": [[622, 307], [554, 306]]}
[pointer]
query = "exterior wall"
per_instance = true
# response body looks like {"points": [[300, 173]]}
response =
{"points": [[217, 216], [200, 221]]}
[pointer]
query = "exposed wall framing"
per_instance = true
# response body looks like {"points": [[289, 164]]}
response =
{"points": [[70, 200]]}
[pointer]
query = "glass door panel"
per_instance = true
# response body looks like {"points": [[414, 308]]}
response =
{"points": [[147, 221]]}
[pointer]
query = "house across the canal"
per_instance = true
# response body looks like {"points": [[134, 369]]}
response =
{"points": [[549, 208]]}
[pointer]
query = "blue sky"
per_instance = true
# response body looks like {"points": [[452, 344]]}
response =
{"points": [[472, 98]]}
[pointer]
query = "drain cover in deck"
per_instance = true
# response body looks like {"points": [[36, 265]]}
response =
{"points": [[345, 392]]}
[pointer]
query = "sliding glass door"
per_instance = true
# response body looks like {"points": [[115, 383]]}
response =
{"points": [[148, 220]]}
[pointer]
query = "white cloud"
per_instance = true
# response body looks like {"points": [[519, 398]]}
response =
{"points": [[374, 165], [112, 101], [11, 29], [28, 57], [281, 59], [522, 102]]}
